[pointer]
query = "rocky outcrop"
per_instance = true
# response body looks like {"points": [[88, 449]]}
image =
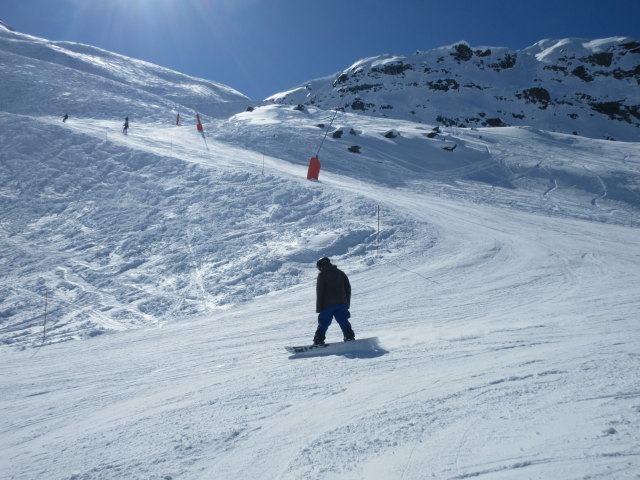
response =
{"points": [[588, 87], [537, 95]]}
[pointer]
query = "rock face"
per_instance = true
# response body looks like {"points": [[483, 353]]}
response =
{"points": [[586, 87]]}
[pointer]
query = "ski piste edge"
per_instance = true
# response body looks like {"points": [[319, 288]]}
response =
{"points": [[352, 346]]}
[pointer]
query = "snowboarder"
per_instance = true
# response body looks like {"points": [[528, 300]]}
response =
{"points": [[333, 299], [64, 119], [126, 125]]}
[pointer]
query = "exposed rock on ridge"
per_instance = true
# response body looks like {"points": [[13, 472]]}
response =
{"points": [[588, 87]]}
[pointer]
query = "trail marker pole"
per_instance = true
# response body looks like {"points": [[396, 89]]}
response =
{"points": [[46, 299], [200, 128], [378, 236]]}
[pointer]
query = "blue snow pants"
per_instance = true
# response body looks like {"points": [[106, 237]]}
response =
{"points": [[341, 314]]}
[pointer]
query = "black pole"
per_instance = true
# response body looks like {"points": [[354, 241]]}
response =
{"points": [[44, 330], [378, 237]]}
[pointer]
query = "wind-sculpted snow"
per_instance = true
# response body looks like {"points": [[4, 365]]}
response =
{"points": [[51, 78], [503, 289]]}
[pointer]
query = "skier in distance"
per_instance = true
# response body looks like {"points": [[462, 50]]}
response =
{"points": [[333, 299], [64, 119], [126, 125]]}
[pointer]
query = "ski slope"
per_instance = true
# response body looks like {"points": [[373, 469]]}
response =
{"points": [[510, 338], [503, 291]]}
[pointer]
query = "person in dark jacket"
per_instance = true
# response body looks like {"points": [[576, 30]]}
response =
{"points": [[126, 125], [64, 119], [333, 299]]}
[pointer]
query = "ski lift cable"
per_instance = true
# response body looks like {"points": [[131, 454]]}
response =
{"points": [[327, 131], [335, 113]]}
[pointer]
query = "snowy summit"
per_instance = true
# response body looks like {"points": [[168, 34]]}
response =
{"points": [[151, 275], [590, 88]]}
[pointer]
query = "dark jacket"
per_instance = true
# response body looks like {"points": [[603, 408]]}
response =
{"points": [[332, 288]]}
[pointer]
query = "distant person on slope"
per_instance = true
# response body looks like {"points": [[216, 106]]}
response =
{"points": [[333, 299], [126, 125], [64, 119]]}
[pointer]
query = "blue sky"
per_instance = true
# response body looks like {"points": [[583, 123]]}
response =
{"points": [[261, 47]]}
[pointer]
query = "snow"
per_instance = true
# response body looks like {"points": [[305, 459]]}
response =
{"points": [[570, 86], [504, 290], [552, 49]]}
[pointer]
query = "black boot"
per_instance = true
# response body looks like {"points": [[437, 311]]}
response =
{"points": [[318, 338], [349, 335]]}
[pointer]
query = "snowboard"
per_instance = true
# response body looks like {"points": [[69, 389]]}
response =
{"points": [[352, 346]]}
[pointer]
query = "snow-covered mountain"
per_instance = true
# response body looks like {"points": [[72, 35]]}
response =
{"points": [[587, 87], [42, 77], [500, 277]]}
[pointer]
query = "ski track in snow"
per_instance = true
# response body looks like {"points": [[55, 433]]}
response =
{"points": [[506, 310], [514, 359], [470, 371]]}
